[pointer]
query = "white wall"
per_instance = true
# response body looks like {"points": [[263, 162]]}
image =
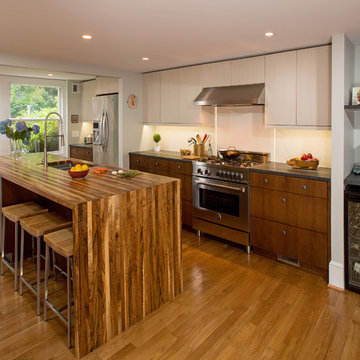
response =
{"points": [[356, 115], [4, 111], [341, 148]]}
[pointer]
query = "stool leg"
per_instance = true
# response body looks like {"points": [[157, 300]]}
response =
{"points": [[38, 281], [2, 244], [21, 260], [53, 259], [33, 249], [69, 275], [47, 258], [16, 255]]}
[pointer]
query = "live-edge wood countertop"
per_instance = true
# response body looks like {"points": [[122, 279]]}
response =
{"points": [[58, 186]]}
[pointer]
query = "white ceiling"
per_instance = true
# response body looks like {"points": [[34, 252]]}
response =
{"points": [[171, 32], [42, 73]]}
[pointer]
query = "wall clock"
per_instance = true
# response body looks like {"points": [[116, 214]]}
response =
{"points": [[132, 101]]}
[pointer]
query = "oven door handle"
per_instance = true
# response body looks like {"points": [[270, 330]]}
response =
{"points": [[242, 189]]}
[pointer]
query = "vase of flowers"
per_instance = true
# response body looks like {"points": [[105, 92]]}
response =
{"points": [[157, 139], [19, 133]]}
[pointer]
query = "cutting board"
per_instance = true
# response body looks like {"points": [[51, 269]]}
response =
{"points": [[191, 157]]}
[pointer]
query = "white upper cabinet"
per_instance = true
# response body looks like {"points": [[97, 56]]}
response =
{"points": [[87, 93], [280, 89], [189, 89], [314, 87], [248, 71], [106, 85], [216, 74], [170, 96], [152, 97]]}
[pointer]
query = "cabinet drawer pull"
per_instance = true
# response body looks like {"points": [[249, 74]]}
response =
{"points": [[179, 167], [266, 181], [304, 187], [284, 232], [283, 200], [138, 161], [157, 164]]}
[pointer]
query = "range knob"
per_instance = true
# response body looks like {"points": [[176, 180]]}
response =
{"points": [[199, 171], [207, 172], [218, 173], [233, 175]]}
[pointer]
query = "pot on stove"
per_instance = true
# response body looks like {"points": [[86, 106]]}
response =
{"points": [[230, 153]]}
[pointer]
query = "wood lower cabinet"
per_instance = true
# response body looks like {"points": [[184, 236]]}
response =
{"points": [[82, 153], [177, 169], [289, 219]]}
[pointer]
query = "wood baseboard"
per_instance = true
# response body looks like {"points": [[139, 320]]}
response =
{"points": [[335, 288]]}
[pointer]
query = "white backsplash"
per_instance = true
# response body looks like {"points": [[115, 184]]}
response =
{"points": [[292, 143], [243, 127], [173, 138]]}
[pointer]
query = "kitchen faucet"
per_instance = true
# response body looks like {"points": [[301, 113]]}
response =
{"points": [[45, 162]]}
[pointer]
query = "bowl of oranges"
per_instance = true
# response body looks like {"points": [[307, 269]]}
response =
{"points": [[79, 171]]}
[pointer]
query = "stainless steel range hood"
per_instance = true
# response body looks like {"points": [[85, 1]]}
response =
{"points": [[239, 95]]}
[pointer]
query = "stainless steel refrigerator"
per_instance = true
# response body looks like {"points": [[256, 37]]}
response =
{"points": [[106, 148]]}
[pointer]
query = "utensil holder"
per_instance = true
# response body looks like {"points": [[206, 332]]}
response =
{"points": [[199, 150]]}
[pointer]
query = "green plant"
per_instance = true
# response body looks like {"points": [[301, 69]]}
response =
{"points": [[156, 138]]}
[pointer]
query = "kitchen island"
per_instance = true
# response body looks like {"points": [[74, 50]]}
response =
{"points": [[127, 241]]}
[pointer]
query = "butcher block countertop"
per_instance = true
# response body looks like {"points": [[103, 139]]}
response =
{"points": [[127, 241], [58, 186]]}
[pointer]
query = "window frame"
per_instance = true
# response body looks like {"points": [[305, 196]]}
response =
{"points": [[62, 103]]}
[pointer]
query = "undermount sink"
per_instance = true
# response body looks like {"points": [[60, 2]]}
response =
{"points": [[64, 165]]}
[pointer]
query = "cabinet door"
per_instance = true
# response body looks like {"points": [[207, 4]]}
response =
{"points": [[216, 74], [170, 96], [280, 89], [87, 94], [106, 85], [314, 87], [248, 71], [189, 89], [152, 97]]}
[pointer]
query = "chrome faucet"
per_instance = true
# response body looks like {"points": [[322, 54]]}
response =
{"points": [[61, 136]]}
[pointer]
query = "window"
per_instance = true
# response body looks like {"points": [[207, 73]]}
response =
{"points": [[35, 102]]}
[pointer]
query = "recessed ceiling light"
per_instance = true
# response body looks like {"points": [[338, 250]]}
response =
{"points": [[87, 37], [50, 74], [269, 34], [145, 58]]}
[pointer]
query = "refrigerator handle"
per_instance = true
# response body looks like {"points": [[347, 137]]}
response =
{"points": [[102, 131], [106, 122]]}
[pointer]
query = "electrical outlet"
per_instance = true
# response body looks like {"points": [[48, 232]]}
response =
{"points": [[75, 133]]}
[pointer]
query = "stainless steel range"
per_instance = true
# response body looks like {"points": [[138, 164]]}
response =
{"points": [[221, 196]]}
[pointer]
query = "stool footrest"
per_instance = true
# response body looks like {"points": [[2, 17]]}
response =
{"points": [[8, 264], [57, 311]]}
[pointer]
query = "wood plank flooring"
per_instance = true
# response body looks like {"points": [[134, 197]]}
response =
{"points": [[233, 307]]}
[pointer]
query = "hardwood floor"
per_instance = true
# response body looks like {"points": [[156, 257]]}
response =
{"points": [[233, 307]]}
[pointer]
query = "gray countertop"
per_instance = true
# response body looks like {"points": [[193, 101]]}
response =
{"points": [[169, 155], [82, 145], [352, 179], [321, 173]]}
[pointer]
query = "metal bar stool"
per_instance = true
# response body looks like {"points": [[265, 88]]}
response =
{"points": [[15, 213], [38, 226], [62, 242]]}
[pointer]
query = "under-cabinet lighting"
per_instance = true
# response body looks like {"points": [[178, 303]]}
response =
{"points": [[145, 59], [87, 37], [269, 34]]}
